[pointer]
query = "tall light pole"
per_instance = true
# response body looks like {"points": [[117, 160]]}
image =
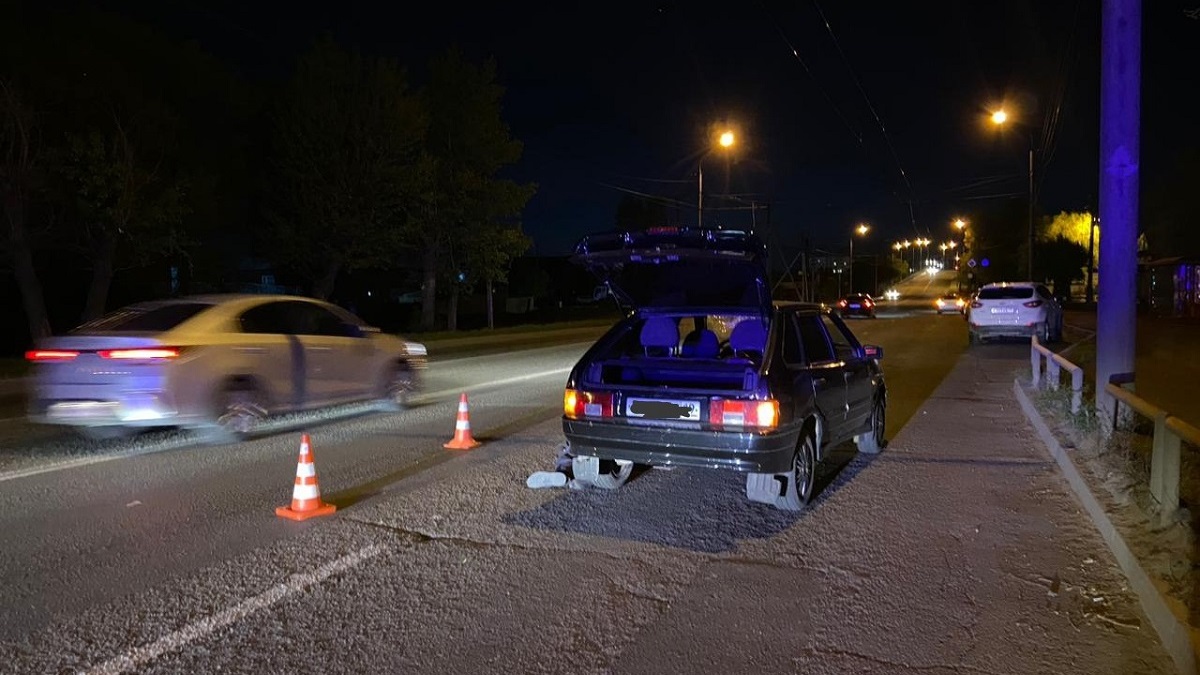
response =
{"points": [[724, 141], [861, 230], [1000, 118]]}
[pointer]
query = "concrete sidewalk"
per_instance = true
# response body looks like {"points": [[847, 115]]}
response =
{"points": [[959, 549]]}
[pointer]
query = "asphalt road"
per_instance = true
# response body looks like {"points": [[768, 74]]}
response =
{"points": [[168, 557]]}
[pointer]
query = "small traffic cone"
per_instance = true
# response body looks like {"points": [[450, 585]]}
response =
{"points": [[306, 495], [462, 429]]}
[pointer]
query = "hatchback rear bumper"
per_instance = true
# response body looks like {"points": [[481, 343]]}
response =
{"points": [[755, 452]]}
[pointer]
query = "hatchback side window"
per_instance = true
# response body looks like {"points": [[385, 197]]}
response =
{"points": [[793, 350], [271, 318], [843, 345], [813, 338]]}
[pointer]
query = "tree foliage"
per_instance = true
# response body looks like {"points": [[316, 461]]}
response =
{"points": [[345, 154]]}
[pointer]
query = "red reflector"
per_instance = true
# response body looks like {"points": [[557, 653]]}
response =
{"points": [[1034, 303], [51, 355], [141, 354], [723, 412], [588, 404]]}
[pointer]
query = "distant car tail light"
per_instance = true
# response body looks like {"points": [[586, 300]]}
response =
{"points": [[45, 355], [841, 303], [868, 303], [762, 414], [1034, 303], [141, 354], [577, 404]]}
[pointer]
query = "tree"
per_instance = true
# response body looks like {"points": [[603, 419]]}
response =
{"points": [[345, 165], [490, 256], [1074, 227], [1064, 261], [19, 164], [464, 202]]}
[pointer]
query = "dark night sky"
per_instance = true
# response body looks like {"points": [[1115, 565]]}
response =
{"points": [[613, 94]]}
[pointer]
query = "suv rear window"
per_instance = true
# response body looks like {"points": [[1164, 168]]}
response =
{"points": [[144, 319], [1006, 293]]}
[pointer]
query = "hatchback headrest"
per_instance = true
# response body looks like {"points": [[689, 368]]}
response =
{"points": [[659, 335]]}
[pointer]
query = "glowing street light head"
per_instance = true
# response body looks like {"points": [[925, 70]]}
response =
{"points": [[999, 117], [960, 223], [862, 229], [906, 243], [897, 246], [726, 139]]}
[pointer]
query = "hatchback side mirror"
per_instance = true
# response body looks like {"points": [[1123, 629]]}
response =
{"points": [[872, 352]]}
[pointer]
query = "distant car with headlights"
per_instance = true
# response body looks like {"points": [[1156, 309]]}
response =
{"points": [[951, 303], [856, 304], [1014, 309], [707, 371], [891, 294], [224, 362]]}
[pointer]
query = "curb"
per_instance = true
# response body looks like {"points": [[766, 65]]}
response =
{"points": [[1175, 635]]}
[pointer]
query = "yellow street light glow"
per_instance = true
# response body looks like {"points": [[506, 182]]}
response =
{"points": [[999, 117], [897, 246], [727, 139], [907, 243], [960, 223], [862, 229]]}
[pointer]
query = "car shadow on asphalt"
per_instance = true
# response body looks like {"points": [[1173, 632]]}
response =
{"points": [[697, 510]]}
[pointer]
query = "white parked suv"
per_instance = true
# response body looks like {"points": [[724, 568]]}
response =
{"points": [[1014, 309]]}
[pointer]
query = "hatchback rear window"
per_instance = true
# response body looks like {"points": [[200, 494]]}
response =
{"points": [[1006, 293], [136, 319]]}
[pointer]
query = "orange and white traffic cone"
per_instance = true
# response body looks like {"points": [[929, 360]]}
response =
{"points": [[462, 429], [306, 495]]}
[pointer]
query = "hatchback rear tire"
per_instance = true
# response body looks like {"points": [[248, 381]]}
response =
{"points": [[872, 442], [800, 483]]}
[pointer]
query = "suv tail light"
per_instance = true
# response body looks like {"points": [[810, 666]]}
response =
{"points": [[50, 355], [1034, 303], [726, 412], [141, 354], [976, 304], [578, 404]]}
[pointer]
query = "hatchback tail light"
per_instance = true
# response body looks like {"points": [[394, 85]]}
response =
{"points": [[50, 355], [761, 414], [1034, 303], [141, 354], [577, 404]]}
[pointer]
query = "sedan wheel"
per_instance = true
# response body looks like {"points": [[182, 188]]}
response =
{"points": [[104, 433], [399, 385], [241, 412], [872, 441]]}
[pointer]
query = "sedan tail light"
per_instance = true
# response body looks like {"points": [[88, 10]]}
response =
{"points": [[1034, 303], [50, 355], [141, 354], [577, 404], [761, 414]]}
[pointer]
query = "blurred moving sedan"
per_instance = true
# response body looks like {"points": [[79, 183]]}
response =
{"points": [[224, 362], [856, 304], [949, 303]]}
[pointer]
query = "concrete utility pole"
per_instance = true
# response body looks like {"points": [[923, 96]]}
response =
{"points": [[1120, 116]]}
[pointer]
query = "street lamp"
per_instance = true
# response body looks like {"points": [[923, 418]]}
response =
{"points": [[1000, 118], [861, 230], [725, 141]]}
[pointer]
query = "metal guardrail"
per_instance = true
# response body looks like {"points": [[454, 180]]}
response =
{"points": [[1169, 434], [1054, 365]]}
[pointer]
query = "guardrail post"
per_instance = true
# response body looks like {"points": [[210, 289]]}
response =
{"points": [[1052, 371], [1164, 467], [1076, 389], [1035, 361]]}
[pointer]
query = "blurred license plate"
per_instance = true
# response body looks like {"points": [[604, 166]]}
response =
{"points": [[1004, 310], [660, 409], [855, 306]]}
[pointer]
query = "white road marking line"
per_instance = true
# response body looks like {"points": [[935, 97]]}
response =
{"points": [[433, 396], [140, 656], [86, 461]]}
